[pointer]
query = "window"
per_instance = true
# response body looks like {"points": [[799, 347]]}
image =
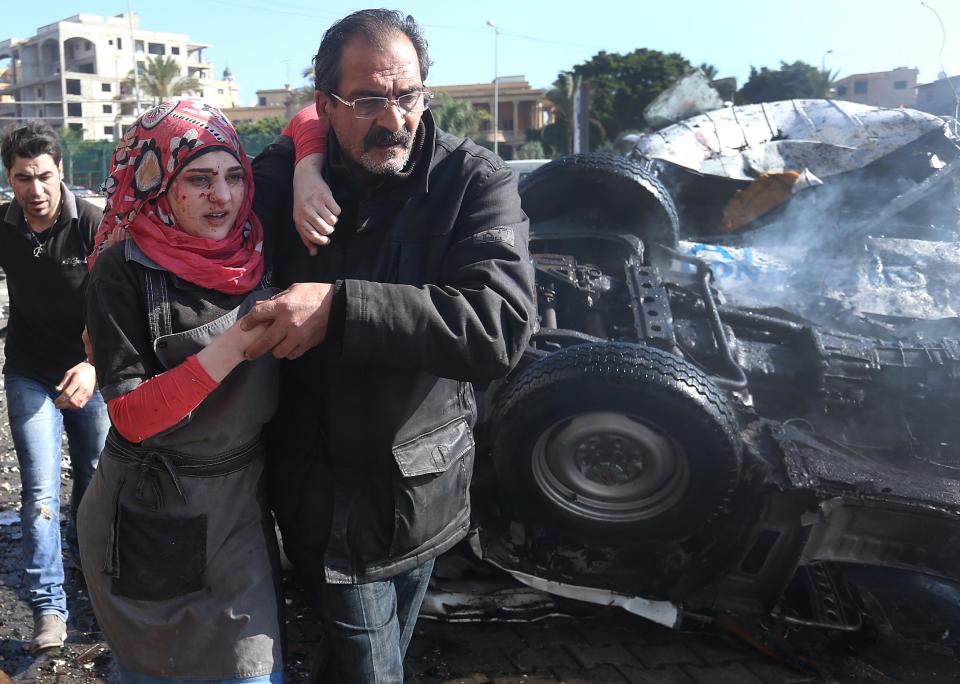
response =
{"points": [[73, 86], [899, 85], [107, 109], [74, 109], [138, 45], [39, 93], [106, 88], [841, 90], [174, 50], [859, 87], [219, 91], [108, 130], [261, 101], [119, 43], [75, 127], [156, 48], [110, 42]]}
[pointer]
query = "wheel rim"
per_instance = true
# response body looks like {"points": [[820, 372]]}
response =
{"points": [[609, 467]]}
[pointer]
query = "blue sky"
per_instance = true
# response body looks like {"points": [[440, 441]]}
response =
{"points": [[268, 42]]}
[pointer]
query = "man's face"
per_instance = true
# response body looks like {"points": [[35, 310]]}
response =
{"points": [[381, 145], [36, 186]]}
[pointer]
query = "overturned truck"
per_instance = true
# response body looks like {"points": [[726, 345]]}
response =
{"points": [[671, 444]]}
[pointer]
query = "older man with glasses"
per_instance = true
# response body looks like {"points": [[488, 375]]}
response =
{"points": [[425, 287]]}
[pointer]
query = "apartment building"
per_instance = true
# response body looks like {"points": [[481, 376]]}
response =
{"points": [[941, 97], [71, 73], [896, 88]]}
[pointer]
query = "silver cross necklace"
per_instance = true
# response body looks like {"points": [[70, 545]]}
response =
{"points": [[41, 247]]}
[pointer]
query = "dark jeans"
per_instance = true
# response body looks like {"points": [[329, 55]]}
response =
{"points": [[368, 627]]}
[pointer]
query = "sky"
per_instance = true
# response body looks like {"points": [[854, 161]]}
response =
{"points": [[268, 43]]}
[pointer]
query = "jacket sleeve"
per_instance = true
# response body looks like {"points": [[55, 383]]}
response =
{"points": [[475, 321]]}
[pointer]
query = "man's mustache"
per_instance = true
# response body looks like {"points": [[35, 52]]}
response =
{"points": [[381, 137]]}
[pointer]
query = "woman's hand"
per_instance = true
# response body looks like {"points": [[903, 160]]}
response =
{"points": [[226, 350], [314, 209]]}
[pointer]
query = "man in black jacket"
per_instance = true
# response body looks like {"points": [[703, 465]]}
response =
{"points": [[425, 287], [45, 237]]}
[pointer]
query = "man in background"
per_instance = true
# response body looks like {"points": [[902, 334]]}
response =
{"points": [[45, 237]]}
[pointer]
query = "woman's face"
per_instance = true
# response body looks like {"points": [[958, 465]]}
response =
{"points": [[206, 195]]}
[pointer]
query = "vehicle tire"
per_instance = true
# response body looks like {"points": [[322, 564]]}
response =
{"points": [[608, 190], [608, 438]]}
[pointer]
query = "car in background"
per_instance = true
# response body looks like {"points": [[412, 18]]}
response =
{"points": [[524, 167], [82, 191]]}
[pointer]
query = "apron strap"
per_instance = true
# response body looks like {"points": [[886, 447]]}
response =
{"points": [[159, 316]]}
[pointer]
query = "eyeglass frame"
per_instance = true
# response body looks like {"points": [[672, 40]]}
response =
{"points": [[352, 104]]}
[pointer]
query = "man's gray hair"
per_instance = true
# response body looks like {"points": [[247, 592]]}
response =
{"points": [[376, 27]]}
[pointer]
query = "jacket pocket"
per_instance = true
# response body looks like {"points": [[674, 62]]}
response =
{"points": [[433, 489], [160, 557]]}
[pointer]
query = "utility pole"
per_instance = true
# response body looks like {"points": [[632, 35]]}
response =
{"points": [[136, 69], [496, 86]]}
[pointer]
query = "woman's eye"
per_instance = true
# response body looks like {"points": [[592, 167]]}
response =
{"points": [[234, 178], [199, 181]]}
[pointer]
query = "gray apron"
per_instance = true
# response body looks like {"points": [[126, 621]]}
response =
{"points": [[179, 552]]}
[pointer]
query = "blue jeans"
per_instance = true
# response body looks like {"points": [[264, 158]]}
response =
{"points": [[367, 627], [128, 677], [37, 428]]}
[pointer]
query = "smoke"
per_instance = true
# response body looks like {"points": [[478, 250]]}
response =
{"points": [[875, 249]]}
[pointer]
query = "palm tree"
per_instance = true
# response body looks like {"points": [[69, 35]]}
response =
{"points": [[561, 95], [160, 79]]}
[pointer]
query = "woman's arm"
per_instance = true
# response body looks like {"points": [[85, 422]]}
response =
{"points": [[314, 209], [164, 400]]}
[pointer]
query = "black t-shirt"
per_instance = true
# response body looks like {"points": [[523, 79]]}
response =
{"points": [[46, 291]]}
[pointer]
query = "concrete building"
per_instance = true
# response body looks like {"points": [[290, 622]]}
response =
{"points": [[520, 108], [940, 97], [271, 102], [896, 88], [71, 73]]}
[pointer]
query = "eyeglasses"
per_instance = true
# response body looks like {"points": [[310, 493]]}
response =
{"points": [[372, 107]]}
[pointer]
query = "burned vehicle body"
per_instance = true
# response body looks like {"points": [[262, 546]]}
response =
{"points": [[670, 449]]}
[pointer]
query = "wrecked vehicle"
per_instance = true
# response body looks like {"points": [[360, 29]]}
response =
{"points": [[671, 449]]}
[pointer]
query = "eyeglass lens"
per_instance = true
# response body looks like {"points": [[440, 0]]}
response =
{"points": [[371, 106]]}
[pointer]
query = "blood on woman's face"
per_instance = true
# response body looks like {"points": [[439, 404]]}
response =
{"points": [[207, 194]]}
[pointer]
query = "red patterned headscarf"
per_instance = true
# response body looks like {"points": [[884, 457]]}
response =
{"points": [[150, 155]]}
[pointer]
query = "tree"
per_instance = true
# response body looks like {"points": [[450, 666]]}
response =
{"points": [[790, 81], [456, 116], [160, 79], [271, 126], [622, 85]]}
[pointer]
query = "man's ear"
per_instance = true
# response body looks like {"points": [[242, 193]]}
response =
{"points": [[60, 169], [321, 102]]}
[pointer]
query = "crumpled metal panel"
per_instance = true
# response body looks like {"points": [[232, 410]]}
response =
{"points": [[827, 137], [830, 468]]}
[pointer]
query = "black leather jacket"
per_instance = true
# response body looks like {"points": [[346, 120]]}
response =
{"points": [[371, 451]]}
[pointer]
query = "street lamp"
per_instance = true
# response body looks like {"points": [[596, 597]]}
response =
{"points": [[823, 60], [496, 87]]}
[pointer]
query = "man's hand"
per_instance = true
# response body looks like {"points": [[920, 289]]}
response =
{"points": [[77, 387], [314, 209], [293, 321]]}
